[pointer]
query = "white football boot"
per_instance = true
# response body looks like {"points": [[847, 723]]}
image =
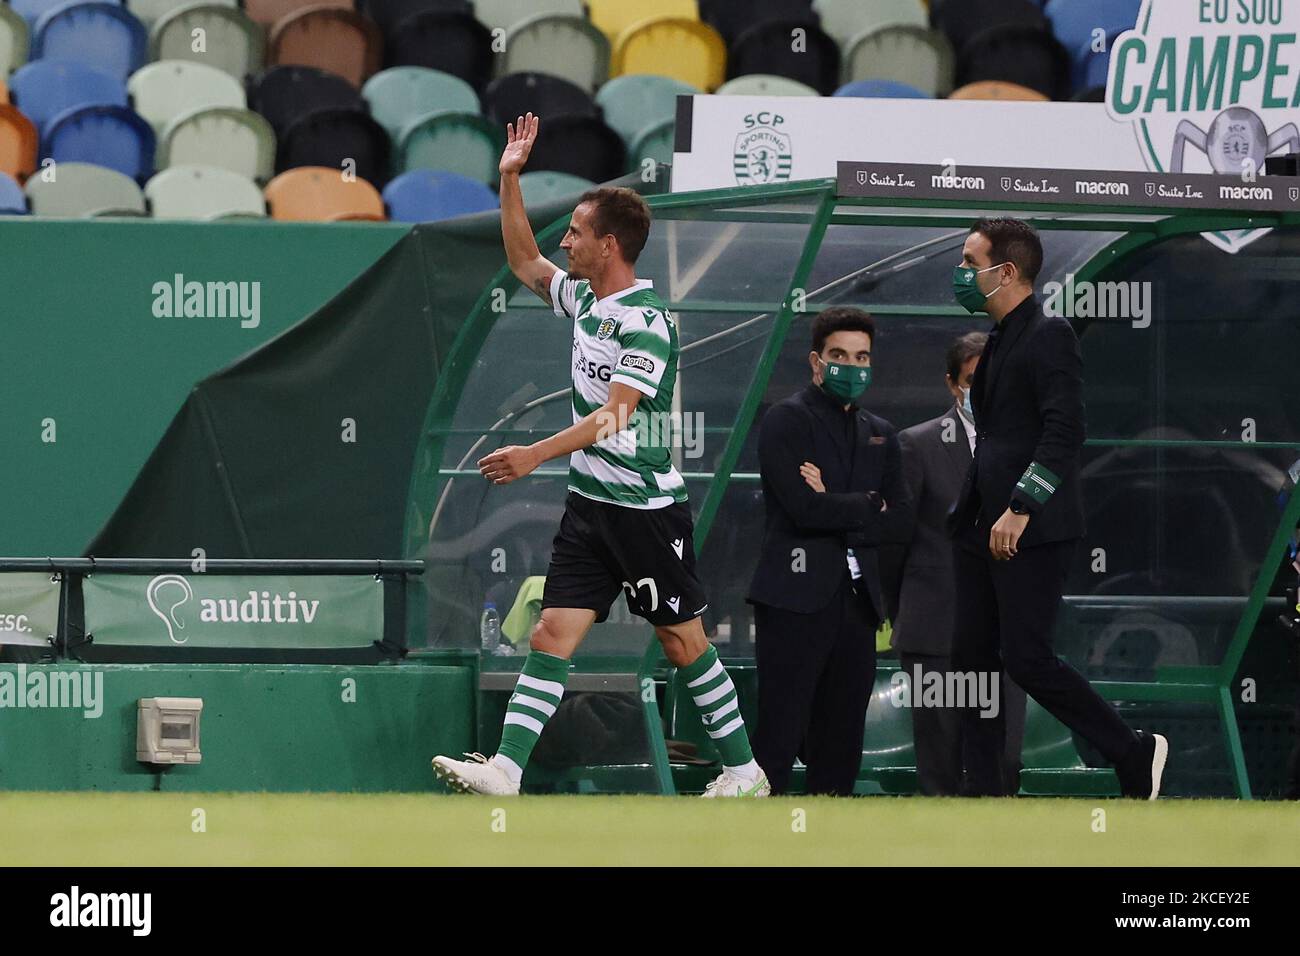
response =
{"points": [[729, 784], [475, 775]]}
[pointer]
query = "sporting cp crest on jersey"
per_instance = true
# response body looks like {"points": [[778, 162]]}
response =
{"points": [[605, 329], [762, 153]]}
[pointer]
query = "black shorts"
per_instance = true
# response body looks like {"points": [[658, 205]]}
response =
{"points": [[649, 555]]}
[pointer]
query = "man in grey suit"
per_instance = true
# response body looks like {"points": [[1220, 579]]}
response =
{"points": [[936, 455]]}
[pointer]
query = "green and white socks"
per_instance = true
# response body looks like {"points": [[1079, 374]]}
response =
{"points": [[537, 695], [714, 694]]}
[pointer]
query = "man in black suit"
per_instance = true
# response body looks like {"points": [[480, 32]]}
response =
{"points": [[832, 491], [936, 456], [1020, 514]]}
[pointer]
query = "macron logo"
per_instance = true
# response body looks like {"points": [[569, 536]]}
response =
{"points": [[677, 546], [675, 603]]}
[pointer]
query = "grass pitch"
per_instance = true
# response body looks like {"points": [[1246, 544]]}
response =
{"points": [[244, 829]]}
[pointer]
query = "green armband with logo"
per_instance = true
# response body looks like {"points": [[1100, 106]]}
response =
{"points": [[1037, 483]]}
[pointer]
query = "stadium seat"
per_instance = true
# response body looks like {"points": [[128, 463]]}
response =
{"points": [[581, 146], [111, 136], [44, 88], [886, 89], [918, 57], [463, 143], [428, 195], [33, 10], [340, 138], [401, 93], [654, 142], [150, 12], [228, 138], [765, 84], [1072, 22], [104, 36], [567, 47], [233, 42], [162, 91], [962, 20], [612, 17], [1015, 54], [731, 18], [14, 39], [13, 202], [995, 90], [846, 19], [83, 189], [387, 14], [270, 12], [203, 192], [1089, 67], [506, 14], [685, 50], [509, 97], [631, 103], [18, 143], [320, 194], [544, 185], [454, 43], [329, 38], [284, 93], [1096, 94], [767, 48]]}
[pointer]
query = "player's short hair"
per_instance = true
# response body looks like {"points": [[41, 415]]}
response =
{"points": [[962, 350], [841, 318], [621, 213], [1012, 240]]}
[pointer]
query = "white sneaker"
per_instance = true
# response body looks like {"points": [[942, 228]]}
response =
{"points": [[729, 784], [476, 775]]}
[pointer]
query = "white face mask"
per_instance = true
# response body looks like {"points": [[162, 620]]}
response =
{"points": [[965, 407]]}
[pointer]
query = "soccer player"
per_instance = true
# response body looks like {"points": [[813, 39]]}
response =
{"points": [[627, 526]]}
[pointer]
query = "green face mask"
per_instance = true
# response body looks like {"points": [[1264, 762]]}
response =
{"points": [[844, 382], [965, 290]]}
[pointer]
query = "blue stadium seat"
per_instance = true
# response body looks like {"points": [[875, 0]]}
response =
{"points": [[888, 89], [104, 36], [427, 195], [12, 200], [1073, 21], [45, 88], [111, 136], [33, 10], [1090, 68]]}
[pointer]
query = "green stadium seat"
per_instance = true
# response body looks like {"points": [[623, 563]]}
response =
{"points": [[401, 94], [544, 185], [505, 14], [234, 43], [83, 189], [636, 101], [654, 142], [907, 54], [686, 50], [846, 19], [764, 84], [464, 143], [202, 192], [162, 91], [14, 39], [150, 12], [235, 139], [564, 46]]}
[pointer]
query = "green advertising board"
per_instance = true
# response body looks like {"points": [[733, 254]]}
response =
{"points": [[243, 611], [29, 608]]}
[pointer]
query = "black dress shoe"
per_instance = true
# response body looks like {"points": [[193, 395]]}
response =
{"points": [[1140, 777]]}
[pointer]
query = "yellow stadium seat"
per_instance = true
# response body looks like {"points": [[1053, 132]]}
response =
{"points": [[612, 17], [686, 50]]}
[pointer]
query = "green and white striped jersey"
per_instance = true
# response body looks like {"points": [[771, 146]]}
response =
{"points": [[630, 337]]}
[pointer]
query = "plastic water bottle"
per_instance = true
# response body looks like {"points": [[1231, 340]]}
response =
{"points": [[489, 630]]}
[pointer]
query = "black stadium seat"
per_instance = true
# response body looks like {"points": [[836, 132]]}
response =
{"points": [[329, 137], [1015, 54], [581, 146], [731, 18], [389, 13], [550, 97], [960, 20], [284, 93], [767, 47], [455, 43]]}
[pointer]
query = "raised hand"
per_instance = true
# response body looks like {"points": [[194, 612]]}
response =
{"points": [[520, 136]]}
